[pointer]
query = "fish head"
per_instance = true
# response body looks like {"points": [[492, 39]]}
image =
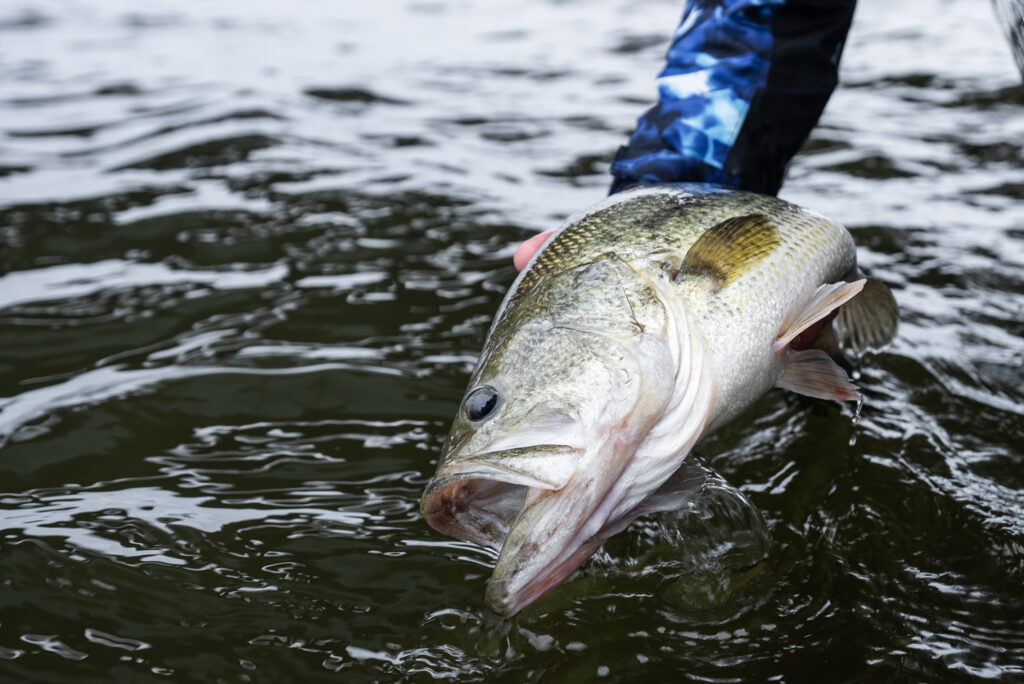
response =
{"points": [[572, 378]]}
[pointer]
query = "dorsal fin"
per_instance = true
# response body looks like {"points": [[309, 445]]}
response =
{"points": [[730, 248]]}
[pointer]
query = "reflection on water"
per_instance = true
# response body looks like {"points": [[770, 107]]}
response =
{"points": [[249, 256]]}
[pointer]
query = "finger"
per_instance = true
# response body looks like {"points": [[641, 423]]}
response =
{"points": [[525, 251]]}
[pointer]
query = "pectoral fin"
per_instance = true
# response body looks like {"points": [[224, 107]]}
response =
{"points": [[825, 299], [869, 320], [730, 248], [814, 374]]}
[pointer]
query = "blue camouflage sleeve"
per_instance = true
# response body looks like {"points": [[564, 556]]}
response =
{"points": [[744, 83]]}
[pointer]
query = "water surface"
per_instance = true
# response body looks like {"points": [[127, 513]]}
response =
{"points": [[248, 255]]}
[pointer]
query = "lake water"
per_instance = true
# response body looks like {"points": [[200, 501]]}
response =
{"points": [[250, 250]]}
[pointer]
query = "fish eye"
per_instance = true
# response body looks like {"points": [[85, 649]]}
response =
{"points": [[481, 402]]}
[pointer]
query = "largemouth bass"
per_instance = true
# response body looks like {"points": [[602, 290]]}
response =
{"points": [[640, 326]]}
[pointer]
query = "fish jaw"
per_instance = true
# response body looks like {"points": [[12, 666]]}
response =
{"points": [[557, 530], [507, 598], [546, 509], [477, 499], [537, 505]]}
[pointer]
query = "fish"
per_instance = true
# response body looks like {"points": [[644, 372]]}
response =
{"points": [[641, 325]]}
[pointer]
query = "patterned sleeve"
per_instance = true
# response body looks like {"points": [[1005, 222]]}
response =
{"points": [[744, 84]]}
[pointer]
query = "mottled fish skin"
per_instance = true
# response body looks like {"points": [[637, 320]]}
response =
{"points": [[662, 223], [641, 325]]}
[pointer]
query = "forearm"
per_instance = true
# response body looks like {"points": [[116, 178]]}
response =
{"points": [[744, 83]]}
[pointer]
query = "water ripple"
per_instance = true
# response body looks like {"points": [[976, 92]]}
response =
{"points": [[242, 284]]}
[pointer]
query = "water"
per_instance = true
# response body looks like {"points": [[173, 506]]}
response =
{"points": [[250, 251]]}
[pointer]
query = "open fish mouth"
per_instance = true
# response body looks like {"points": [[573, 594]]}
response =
{"points": [[533, 505], [479, 499], [473, 507]]}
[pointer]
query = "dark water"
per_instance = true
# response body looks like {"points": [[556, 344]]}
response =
{"points": [[250, 250]]}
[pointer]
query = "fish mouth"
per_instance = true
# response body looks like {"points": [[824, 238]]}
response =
{"points": [[473, 507], [533, 505], [478, 499]]}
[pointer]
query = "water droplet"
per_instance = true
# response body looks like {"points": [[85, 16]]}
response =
{"points": [[855, 421]]}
